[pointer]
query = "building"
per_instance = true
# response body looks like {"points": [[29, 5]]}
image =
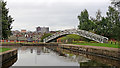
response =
{"points": [[38, 29], [23, 31], [42, 29], [15, 32], [52, 32]]}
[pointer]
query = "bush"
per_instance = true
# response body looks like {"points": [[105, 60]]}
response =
{"points": [[45, 35], [93, 42]]}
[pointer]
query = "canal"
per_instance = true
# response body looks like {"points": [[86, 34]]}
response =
{"points": [[55, 56]]}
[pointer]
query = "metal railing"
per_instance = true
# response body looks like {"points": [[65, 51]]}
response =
{"points": [[83, 33]]}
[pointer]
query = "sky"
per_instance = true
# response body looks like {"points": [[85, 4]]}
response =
{"points": [[55, 14]]}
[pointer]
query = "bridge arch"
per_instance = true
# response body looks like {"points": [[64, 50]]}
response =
{"points": [[83, 33]]}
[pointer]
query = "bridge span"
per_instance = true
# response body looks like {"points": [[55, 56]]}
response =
{"points": [[83, 33]]}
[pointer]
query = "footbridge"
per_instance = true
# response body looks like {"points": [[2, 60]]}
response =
{"points": [[83, 33]]}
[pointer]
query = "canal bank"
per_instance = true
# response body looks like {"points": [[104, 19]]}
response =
{"points": [[7, 56], [30, 44], [71, 54], [112, 53]]}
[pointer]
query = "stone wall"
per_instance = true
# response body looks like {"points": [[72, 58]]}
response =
{"points": [[112, 53], [33, 44], [7, 56]]}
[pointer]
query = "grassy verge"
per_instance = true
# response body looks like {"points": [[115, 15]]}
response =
{"points": [[4, 49], [100, 44]]}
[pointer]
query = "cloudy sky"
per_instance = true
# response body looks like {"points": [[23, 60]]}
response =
{"points": [[56, 14]]}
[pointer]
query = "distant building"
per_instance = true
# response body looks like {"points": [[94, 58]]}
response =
{"points": [[15, 32], [42, 29], [38, 29], [23, 31], [53, 32]]}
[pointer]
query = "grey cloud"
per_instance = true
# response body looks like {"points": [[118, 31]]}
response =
{"points": [[58, 15]]}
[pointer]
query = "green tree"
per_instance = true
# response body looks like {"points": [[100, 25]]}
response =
{"points": [[98, 16], [84, 22], [97, 22], [107, 26], [73, 37], [0, 20], [6, 21], [113, 22]]}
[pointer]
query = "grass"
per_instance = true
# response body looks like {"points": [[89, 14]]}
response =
{"points": [[4, 49], [100, 44]]}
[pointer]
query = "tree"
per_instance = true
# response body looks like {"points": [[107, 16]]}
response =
{"points": [[45, 35], [73, 37], [70, 38], [107, 26], [97, 22], [116, 3], [113, 21], [83, 19], [0, 20], [98, 15], [84, 22], [6, 21]]}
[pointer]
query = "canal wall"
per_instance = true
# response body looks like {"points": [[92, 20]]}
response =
{"points": [[95, 58], [65, 52], [9, 63], [39, 44], [7, 56], [31, 44], [112, 53], [11, 44]]}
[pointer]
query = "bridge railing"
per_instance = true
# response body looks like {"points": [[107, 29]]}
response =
{"points": [[83, 33]]}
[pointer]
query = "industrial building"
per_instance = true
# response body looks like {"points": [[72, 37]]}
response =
{"points": [[42, 29]]}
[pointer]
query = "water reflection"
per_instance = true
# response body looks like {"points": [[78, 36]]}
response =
{"points": [[31, 50], [40, 56], [55, 56], [85, 59]]}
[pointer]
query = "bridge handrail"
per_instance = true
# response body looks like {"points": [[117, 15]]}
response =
{"points": [[83, 33]]}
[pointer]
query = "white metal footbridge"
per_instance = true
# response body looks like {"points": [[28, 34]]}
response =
{"points": [[83, 33]]}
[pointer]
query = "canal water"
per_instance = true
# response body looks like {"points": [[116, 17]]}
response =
{"points": [[55, 56]]}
